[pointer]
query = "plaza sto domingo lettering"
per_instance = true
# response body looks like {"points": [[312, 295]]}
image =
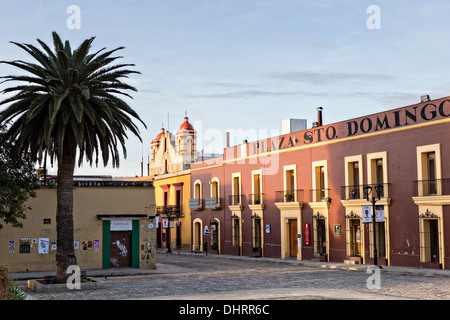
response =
{"points": [[415, 114]]}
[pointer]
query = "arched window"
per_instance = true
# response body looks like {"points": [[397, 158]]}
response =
{"points": [[197, 189]]}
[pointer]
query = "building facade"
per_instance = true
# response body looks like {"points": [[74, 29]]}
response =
{"points": [[172, 194], [171, 158], [303, 194], [114, 226]]}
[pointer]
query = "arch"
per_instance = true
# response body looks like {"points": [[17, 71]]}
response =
{"points": [[215, 188], [215, 234], [197, 189], [197, 235]]}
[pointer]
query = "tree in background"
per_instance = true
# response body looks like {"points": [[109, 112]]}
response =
{"points": [[18, 182]]}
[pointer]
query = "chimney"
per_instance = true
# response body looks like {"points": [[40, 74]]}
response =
{"points": [[319, 116], [228, 139]]}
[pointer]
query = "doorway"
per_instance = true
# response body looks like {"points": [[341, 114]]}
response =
{"points": [[321, 237], [120, 249], [197, 237], [355, 238], [293, 238]]}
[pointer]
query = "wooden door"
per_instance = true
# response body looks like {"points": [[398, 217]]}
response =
{"points": [[120, 246], [293, 240], [355, 238], [321, 237]]}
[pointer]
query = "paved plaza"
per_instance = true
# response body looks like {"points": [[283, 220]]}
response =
{"points": [[189, 276]]}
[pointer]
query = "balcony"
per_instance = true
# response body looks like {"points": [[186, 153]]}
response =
{"points": [[256, 199], [289, 199], [195, 204], [356, 192], [212, 203], [235, 199], [431, 188], [319, 195], [289, 195], [170, 211]]}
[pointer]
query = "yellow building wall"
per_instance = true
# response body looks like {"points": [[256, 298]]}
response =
{"points": [[171, 179], [88, 203]]}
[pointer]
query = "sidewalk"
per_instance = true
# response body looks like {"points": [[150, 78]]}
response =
{"points": [[170, 269]]}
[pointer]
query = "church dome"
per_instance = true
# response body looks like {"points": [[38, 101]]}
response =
{"points": [[160, 134], [158, 137], [186, 125]]}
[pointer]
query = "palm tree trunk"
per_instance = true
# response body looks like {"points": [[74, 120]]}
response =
{"points": [[65, 253]]}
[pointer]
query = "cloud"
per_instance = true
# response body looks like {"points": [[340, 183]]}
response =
{"points": [[253, 94], [326, 78]]}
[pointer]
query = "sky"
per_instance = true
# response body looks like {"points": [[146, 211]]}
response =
{"points": [[243, 66]]}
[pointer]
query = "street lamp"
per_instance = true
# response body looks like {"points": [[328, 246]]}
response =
{"points": [[367, 192]]}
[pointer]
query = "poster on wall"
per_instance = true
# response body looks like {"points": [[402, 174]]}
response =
{"points": [[121, 225], [43, 245], [11, 247], [337, 229], [379, 213], [366, 214], [307, 231], [96, 245]]}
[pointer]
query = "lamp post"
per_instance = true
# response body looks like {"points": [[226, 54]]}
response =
{"points": [[367, 191]]}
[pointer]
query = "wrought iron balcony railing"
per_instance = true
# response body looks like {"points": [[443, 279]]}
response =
{"points": [[256, 198], [195, 204], [235, 199], [434, 187], [212, 203], [289, 195], [169, 211]]}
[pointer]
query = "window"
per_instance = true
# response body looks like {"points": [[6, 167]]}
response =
{"points": [[377, 172], [215, 189], [213, 202], [429, 174], [353, 188], [196, 203], [256, 231], [256, 197], [197, 190], [320, 181], [355, 194], [166, 198], [290, 185], [178, 198], [235, 230], [290, 180], [236, 189], [290, 192]]}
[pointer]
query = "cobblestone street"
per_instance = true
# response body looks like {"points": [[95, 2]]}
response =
{"points": [[200, 277]]}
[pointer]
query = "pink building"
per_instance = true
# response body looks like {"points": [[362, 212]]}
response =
{"points": [[302, 194]]}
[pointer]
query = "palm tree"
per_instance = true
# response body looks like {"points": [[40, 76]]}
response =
{"points": [[68, 106]]}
